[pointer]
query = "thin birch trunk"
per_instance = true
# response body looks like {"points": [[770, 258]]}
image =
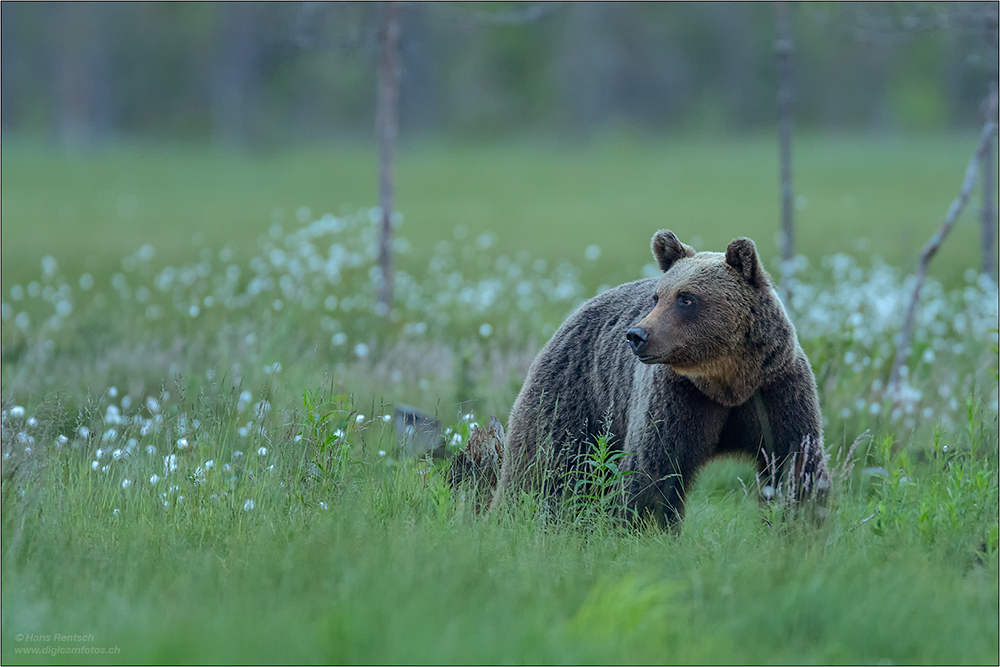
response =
{"points": [[934, 244], [387, 106], [989, 212], [783, 49]]}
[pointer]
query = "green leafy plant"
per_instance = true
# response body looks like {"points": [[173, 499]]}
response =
{"points": [[598, 493], [937, 499]]}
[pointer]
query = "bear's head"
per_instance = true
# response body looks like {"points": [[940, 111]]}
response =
{"points": [[714, 318]]}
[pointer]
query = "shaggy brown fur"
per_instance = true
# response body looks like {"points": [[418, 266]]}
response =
{"points": [[698, 362], [477, 465]]}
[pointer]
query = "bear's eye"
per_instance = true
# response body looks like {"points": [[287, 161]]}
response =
{"points": [[685, 301], [656, 299]]}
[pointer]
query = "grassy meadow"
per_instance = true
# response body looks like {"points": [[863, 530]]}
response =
{"points": [[200, 463]]}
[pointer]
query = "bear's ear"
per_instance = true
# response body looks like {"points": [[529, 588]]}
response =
{"points": [[742, 256], [667, 249]]}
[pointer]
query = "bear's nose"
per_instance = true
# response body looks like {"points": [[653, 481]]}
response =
{"points": [[637, 338]]}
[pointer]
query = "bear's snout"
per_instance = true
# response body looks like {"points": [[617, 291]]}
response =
{"points": [[637, 337]]}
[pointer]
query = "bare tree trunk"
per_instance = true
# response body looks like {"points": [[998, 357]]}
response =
{"points": [[989, 212], [783, 49], [82, 80], [934, 244], [387, 123], [236, 77]]}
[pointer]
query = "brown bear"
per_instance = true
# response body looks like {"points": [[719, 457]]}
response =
{"points": [[698, 362]]}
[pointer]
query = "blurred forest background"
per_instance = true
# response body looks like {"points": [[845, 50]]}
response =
{"points": [[255, 75], [190, 124]]}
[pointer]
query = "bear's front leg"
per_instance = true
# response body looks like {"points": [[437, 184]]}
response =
{"points": [[673, 430], [789, 446], [654, 495]]}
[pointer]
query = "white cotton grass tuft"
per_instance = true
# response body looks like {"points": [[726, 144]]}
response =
{"points": [[320, 274]]}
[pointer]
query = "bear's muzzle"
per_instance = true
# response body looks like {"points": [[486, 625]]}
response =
{"points": [[637, 338]]}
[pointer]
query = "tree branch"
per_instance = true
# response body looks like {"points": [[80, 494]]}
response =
{"points": [[934, 244], [527, 14]]}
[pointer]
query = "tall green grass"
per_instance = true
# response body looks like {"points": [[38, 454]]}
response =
{"points": [[367, 558]]}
